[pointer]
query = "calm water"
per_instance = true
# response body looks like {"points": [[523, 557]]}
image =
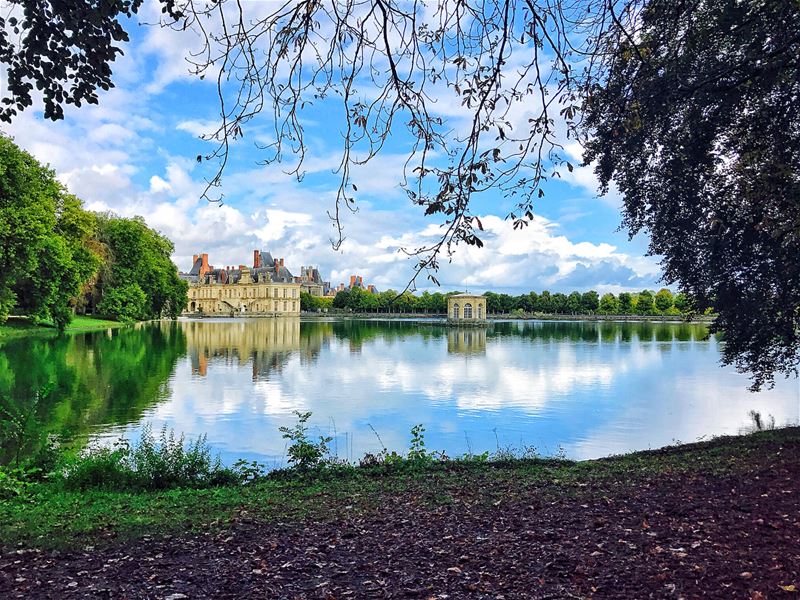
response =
{"points": [[590, 388]]}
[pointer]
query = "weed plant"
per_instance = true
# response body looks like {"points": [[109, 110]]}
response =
{"points": [[151, 464]]}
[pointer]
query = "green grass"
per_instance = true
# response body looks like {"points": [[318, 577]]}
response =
{"points": [[20, 326], [47, 515]]}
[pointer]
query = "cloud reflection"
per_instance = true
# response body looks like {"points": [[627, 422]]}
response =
{"points": [[594, 388]]}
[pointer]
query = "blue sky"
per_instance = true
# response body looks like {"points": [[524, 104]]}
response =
{"points": [[134, 154]]}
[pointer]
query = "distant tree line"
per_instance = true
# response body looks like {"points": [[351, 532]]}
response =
{"points": [[57, 258], [646, 302]]}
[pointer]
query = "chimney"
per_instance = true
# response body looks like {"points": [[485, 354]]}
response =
{"points": [[352, 280], [256, 259], [281, 262], [360, 281], [242, 267], [194, 259], [204, 268]]}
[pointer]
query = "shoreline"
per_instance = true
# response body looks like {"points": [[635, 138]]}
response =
{"points": [[715, 518], [509, 317], [16, 327]]}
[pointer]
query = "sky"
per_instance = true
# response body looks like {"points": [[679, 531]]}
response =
{"points": [[134, 154]]}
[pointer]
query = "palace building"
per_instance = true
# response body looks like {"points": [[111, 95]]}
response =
{"points": [[268, 289]]}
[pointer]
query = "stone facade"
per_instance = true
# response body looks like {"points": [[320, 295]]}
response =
{"points": [[466, 308], [267, 289], [311, 282]]}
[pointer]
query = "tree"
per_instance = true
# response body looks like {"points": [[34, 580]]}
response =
{"points": [[664, 300], [559, 304], [545, 303], [590, 301], [28, 194], [308, 302], [342, 299], [697, 123], [574, 304], [609, 305], [524, 302], [625, 303], [45, 255], [493, 303], [644, 303], [126, 302], [682, 303], [62, 48], [139, 258]]}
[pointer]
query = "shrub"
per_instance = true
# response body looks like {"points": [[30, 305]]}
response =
{"points": [[417, 451], [304, 453], [101, 468], [151, 464], [125, 303]]}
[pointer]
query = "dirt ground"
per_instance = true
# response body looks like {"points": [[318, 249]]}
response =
{"points": [[678, 536]]}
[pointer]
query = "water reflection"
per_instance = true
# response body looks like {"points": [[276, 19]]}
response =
{"points": [[593, 387], [470, 340], [71, 385]]}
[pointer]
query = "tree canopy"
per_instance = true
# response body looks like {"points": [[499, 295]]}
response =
{"points": [[53, 253], [697, 123], [689, 108]]}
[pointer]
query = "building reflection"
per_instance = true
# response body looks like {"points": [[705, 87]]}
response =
{"points": [[266, 344], [469, 340]]}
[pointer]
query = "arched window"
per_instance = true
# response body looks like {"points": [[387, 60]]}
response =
{"points": [[468, 311], [455, 311], [480, 311]]}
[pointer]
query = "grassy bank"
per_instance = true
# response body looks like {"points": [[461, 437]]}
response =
{"points": [[49, 514], [20, 326]]}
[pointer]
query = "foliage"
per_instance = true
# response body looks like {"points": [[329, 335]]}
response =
{"points": [[417, 451], [53, 252], [697, 124], [44, 259], [127, 302], [151, 464], [664, 300], [304, 453], [544, 303], [311, 303], [140, 258], [64, 50], [644, 303], [609, 305]]}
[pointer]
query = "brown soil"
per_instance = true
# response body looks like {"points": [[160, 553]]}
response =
{"points": [[678, 536]]}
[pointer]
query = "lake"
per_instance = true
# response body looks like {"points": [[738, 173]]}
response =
{"points": [[581, 389]]}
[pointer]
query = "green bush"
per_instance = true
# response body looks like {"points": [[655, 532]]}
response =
{"points": [[304, 453], [152, 464], [124, 303], [101, 468]]}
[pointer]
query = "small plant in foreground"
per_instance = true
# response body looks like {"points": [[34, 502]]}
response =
{"points": [[151, 464], [304, 453], [417, 451], [249, 470]]}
